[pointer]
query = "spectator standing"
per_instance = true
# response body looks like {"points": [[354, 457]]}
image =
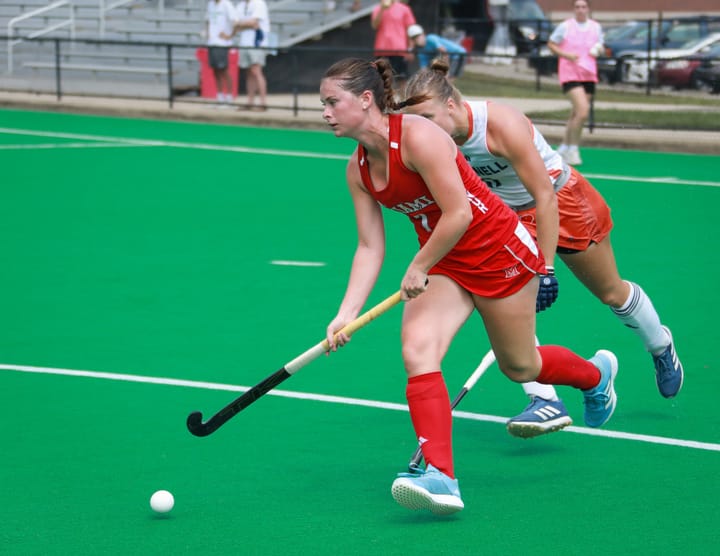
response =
{"points": [[575, 42], [219, 21], [254, 27], [430, 46], [391, 19]]}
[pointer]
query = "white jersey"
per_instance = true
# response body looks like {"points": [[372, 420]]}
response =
{"points": [[497, 172], [254, 9], [220, 17]]}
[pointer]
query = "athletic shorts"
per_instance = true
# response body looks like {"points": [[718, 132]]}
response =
{"points": [[218, 57], [252, 57], [399, 65], [584, 215], [504, 273], [589, 86]]}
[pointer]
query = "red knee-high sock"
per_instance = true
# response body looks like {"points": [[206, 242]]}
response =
{"points": [[562, 366], [431, 416]]}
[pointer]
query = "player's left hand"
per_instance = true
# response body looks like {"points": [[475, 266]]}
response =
{"points": [[548, 292]]}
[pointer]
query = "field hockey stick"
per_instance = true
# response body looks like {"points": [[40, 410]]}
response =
{"points": [[488, 360], [195, 423]]}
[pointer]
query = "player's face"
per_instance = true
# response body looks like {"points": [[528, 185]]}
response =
{"points": [[342, 110], [434, 110]]}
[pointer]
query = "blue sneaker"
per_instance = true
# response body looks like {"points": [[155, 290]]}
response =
{"points": [[540, 417], [428, 489], [668, 370], [600, 401]]}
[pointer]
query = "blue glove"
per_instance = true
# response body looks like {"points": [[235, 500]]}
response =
{"points": [[548, 292]]}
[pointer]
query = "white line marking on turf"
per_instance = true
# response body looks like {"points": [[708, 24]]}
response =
{"points": [[66, 146], [348, 401], [301, 154], [668, 179], [297, 263], [153, 143]]}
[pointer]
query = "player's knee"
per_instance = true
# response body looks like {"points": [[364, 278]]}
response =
{"points": [[518, 372], [613, 298], [418, 355]]}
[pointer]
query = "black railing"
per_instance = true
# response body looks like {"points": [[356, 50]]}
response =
{"points": [[292, 70]]}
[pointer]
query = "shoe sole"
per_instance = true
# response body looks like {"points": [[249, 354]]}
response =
{"points": [[526, 429], [613, 396], [410, 496], [682, 371]]}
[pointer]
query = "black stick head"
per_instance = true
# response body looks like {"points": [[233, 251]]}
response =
{"points": [[195, 424]]}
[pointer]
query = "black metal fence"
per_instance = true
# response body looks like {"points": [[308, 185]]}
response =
{"points": [[293, 70]]}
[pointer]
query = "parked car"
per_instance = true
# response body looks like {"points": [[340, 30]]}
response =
{"points": [[681, 72], [708, 77], [527, 24], [624, 40], [637, 64]]}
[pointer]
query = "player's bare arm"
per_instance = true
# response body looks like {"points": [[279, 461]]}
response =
{"points": [[368, 258], [509, 135]]}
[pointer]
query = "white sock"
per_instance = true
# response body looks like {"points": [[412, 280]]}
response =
{"points": [[638, 314], [544, 391], [219, 97], [228, 97]]}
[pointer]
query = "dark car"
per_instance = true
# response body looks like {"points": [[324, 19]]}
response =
{"points": [[681, 72], [527, 25], [624, 40], [707, 76]]}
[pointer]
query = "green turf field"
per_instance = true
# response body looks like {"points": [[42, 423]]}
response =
{"points": [[146, 254]]}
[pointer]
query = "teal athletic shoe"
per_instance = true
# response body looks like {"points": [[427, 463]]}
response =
{"points": [[540, 417], [428, 489], [600, 401], [668, 370]]}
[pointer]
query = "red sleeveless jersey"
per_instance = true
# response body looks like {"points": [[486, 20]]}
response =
{"points": [[496, 255]]}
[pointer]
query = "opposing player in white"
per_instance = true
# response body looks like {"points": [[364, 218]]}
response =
{"points": [[561, 209]]}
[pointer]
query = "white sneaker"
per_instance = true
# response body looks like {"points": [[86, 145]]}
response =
{"points": [[572, 156]]}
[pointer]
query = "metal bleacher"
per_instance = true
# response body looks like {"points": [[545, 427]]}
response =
{"points": [[117, 65]]}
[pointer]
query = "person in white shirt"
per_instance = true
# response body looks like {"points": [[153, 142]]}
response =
{"points": [[219, 22], [254, 27]]}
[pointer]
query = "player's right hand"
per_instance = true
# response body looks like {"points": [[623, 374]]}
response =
{"points": [[334, 339]]}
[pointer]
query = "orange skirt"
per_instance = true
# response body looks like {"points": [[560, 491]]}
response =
{"points": [[584, 214]]}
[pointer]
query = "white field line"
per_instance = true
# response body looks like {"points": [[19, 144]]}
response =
{"points": [[349, 401], [296, 263], [302, 154], [667, 179], [153, 143], [39, 146]]}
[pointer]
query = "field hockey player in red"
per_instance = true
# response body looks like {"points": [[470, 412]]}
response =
{"points": [[474, 254]]}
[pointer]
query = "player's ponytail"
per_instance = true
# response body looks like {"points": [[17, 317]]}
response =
{"points": [[431, 82]]}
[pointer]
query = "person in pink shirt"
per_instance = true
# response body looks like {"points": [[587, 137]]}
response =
{"points": [[390, 19], [577, 42]]}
